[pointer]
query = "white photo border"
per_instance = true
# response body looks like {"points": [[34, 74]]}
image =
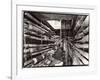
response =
{"points": [[17, 31]]}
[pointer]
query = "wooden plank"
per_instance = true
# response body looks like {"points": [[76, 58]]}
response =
{"points": [[80, 54], [82, 39], [38, 16], [82, 45], [79, 42], [35, 25], [36, 31], [82, 34], [35, 40], [30, 61], [79, 24], [39, 23], [84, 25], [37, 45], [42, 51], [32, 50], [84, 49]]}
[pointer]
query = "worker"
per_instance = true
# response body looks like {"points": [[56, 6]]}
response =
{"points": [[57, 57]]}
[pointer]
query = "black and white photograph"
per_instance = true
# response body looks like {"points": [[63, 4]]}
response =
{"points": [[55, 39]]}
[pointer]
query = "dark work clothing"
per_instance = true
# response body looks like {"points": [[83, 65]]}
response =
{"points": [[59, 54]]}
